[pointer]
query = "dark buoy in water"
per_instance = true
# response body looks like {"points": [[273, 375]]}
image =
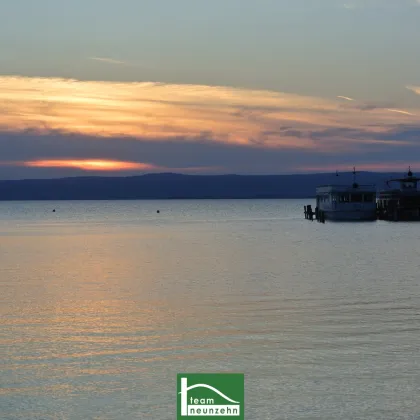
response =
{"points": [[54, 211], [158, 211]]}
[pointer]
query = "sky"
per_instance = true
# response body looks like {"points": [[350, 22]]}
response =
{"points": [[208, 87]]}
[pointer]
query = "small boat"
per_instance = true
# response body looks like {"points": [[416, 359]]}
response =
{"points": [[346, 202], [401, 202]]}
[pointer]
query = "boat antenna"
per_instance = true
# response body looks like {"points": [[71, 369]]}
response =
{"points": [[355, 185], [410, 174]]}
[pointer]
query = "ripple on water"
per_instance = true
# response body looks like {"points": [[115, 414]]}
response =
{"points": [[103, 307]]}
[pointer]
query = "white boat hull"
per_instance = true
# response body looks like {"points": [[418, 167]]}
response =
{"points": [[343, 215]]}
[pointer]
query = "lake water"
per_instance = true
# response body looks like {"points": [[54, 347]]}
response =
{"points": [[103, 303]]}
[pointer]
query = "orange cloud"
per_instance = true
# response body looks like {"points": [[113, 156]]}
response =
{"points": [[415, 89], [186, 112], [400, 111]]}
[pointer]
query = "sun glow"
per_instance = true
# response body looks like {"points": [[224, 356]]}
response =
{"points": [[90, 165]]}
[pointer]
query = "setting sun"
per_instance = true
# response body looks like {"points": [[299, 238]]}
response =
{"points": [[89, 165]]}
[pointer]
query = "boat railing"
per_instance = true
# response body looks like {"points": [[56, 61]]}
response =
{"points": [[348, 186]]}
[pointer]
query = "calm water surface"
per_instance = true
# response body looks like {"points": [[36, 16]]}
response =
{"points": [[103, 303]]}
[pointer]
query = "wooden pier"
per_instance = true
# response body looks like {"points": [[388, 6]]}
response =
{"points": [[393, 212], [310, 214], [401, 203]]}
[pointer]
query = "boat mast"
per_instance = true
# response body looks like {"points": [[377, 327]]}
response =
{"points": [[355, 184]]}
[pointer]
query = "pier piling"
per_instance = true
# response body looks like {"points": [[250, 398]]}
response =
{"points": [[309, 213]]}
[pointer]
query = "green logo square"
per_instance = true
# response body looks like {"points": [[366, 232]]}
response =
{"points": [[211, 395]]}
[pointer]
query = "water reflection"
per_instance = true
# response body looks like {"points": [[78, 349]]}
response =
{"points": [[98, 316]]}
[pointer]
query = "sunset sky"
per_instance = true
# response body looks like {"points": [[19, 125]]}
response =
{"points": [[193, 86]]}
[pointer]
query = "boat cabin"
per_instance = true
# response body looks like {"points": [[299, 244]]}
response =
{"points": [[336, 195], [344, 202]]}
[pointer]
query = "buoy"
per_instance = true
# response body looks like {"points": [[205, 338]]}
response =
{"points": [[158, 211], [54, 211]]}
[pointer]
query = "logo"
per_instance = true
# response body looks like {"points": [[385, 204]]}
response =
{"points": [[211, 395]]}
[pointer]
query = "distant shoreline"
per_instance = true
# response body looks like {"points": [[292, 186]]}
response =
{"points": [[180, 187], [160, 199]]}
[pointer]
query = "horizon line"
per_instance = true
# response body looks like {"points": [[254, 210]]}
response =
{"points": [[334, 173]]}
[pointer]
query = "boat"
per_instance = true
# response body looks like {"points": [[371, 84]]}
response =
{"points": [[346, 202], [402, 201]]}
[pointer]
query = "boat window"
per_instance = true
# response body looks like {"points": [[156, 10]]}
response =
{"points": [[356, 198], [369, 198], [344, 198]]}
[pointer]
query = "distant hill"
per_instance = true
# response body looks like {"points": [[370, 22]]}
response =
{"points": [[176, 186]]}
